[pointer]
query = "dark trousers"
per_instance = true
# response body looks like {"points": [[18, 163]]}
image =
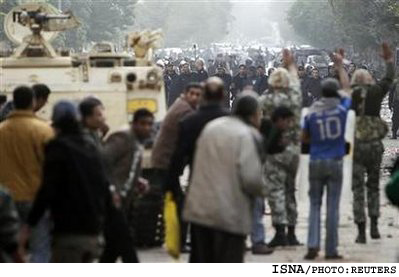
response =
{"points": [[119, 240], [213, 246], [75, 248], [183, 224]]}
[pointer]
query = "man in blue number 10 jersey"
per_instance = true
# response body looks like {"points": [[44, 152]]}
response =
{"points": [[324, 132]]}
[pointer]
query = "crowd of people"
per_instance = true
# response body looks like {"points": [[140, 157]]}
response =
{"points": [[249, 72], [67, 186]]}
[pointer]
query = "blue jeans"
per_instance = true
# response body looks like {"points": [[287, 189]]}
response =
{"points": [[40, 239], [324, 173], [258, 228]]}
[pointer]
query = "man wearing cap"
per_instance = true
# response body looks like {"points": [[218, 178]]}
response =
{"points": [[324, 130]]}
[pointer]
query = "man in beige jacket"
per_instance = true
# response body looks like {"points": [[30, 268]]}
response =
{"points": [[227, 175]]}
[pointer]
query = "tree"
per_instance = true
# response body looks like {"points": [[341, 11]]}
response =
{"points": [[185, 23], [316, 24], [360, 24], [77, 38], [100, 21]]}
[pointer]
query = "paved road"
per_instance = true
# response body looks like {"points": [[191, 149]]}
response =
{"points": [[384, 250]]}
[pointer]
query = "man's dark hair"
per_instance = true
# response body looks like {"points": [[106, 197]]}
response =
{"points": [[260, 66], [242, 65], [330, 87], [193, 85], [41, 91], [301, 68], [87, 106], [246, 106], [3, 99], [141, 113], [23, 98], [281, 113]]}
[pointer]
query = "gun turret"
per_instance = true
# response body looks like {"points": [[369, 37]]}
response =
{"points": [[40, 21], [38, 18]]}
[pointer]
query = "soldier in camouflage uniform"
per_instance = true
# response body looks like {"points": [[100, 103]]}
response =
{"points": [[370, 130], [280, 169]]}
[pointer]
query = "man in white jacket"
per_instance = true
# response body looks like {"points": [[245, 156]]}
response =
{"points": [[227, 175]]}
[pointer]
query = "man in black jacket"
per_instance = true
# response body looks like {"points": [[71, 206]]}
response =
{"points": [[239, 81], [315, 84], [273, 130], [189, 130], [200, 74], [226, 78], [306, 96], [180, 83], [261, 80], [252, 76], [74, 189], [169, 77]]}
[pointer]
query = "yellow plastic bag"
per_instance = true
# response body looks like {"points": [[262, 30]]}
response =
{"points": [[172, 226]]}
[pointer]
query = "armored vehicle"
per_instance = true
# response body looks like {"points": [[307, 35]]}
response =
{"points": [[122, 81]]}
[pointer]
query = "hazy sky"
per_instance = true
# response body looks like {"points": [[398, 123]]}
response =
{"points": [[253, 18]]}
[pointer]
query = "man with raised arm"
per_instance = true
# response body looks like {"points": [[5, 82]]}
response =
{"points": [[324, 131]]}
